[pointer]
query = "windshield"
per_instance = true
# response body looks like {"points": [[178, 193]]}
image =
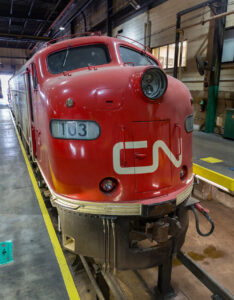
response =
{"points": [[135, 57], [78, 57]]}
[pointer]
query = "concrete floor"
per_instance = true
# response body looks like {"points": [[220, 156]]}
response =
{"points": [[214, 253], [213, 145], [35, 273]]}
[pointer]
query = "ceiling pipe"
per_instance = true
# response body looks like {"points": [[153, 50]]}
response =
{"points": [[29, 14], [76, 14], [59, 16], [11, 12], [47, 19], [85, 22], [208, 20], [55, 21]]}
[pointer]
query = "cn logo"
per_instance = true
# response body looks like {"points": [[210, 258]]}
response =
{"points": [[144, 169]]}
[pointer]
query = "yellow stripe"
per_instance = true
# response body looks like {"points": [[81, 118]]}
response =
{"points": [[67, 277], [215, 177]]}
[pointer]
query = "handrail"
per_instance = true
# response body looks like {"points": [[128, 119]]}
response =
{"points": [[128, 38], [97, 33]]}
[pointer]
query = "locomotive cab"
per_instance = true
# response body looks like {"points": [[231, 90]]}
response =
{"points": [[113, 143]]}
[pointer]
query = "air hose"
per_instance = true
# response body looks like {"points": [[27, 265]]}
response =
{"points": [[205, 213]]}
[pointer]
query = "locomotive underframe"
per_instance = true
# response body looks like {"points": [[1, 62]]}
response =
{"points": [[118, 242]]}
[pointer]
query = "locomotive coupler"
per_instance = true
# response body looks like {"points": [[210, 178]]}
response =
{"points": [[160, 230]]}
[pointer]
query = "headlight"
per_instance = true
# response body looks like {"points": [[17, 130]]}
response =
{"points": [[108, 185], [154, 83], [189, 123], [74, 130]]}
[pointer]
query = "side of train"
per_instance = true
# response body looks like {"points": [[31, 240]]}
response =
{"points": [[112, 136]]}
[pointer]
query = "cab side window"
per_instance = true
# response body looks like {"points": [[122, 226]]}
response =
{"points": [[34, 76], [30, 93], [135, 57]]}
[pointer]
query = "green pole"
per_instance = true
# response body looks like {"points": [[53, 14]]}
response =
{"points": [[221, 7]]}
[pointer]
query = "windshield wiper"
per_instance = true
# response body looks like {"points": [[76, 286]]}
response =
{"points": [[67, 52]]}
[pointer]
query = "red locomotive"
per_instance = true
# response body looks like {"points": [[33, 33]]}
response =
{"points": [[112, 136]]}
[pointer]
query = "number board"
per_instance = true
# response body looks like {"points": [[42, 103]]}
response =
{"points": [[75, 130]]}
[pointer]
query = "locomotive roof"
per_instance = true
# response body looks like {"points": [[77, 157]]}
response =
{"points": [[76, 42], [83, 40]]}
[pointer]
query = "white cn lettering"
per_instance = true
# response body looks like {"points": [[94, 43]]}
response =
{"points": [[144, 169]]}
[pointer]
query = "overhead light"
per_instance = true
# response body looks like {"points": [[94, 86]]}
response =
{"points": [[61, 28], [134, 4]]}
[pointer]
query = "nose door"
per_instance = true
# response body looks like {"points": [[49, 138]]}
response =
{"points": [[153, 169]]}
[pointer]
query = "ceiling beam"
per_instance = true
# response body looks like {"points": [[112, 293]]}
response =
{"points": [[11, 12], [51, 13], [20, 18], [22, 38], [13, 57], [59, 17], [29, 14], [75, 15]]}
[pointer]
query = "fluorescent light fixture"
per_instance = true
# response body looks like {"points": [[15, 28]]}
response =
{"points": [[134, 4], [61, 28]]}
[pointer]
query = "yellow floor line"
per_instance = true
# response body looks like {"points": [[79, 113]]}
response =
{"points": [[67, 277], [215, 177]]}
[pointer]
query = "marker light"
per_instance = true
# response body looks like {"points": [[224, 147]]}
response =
{"points": [[69, 102], [154, 83], [183, 172], [189, 123], [108, 184]]}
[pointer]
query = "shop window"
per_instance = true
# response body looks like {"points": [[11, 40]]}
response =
{"points": [[228, 46], [166, 54]]}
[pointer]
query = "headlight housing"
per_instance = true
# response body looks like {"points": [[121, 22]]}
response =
{"points": [[108, 185], [153, 83]]}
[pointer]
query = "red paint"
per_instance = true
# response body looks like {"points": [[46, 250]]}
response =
{"points": [[111, 96]]}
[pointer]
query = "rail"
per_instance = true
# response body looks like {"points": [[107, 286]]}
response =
{"points": [[220, 293]]}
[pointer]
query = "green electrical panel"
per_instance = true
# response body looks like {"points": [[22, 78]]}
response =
{"points": [[229, 124], [6, 252]]}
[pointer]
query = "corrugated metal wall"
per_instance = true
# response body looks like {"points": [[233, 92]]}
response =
{"points": [[8, 62]]}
